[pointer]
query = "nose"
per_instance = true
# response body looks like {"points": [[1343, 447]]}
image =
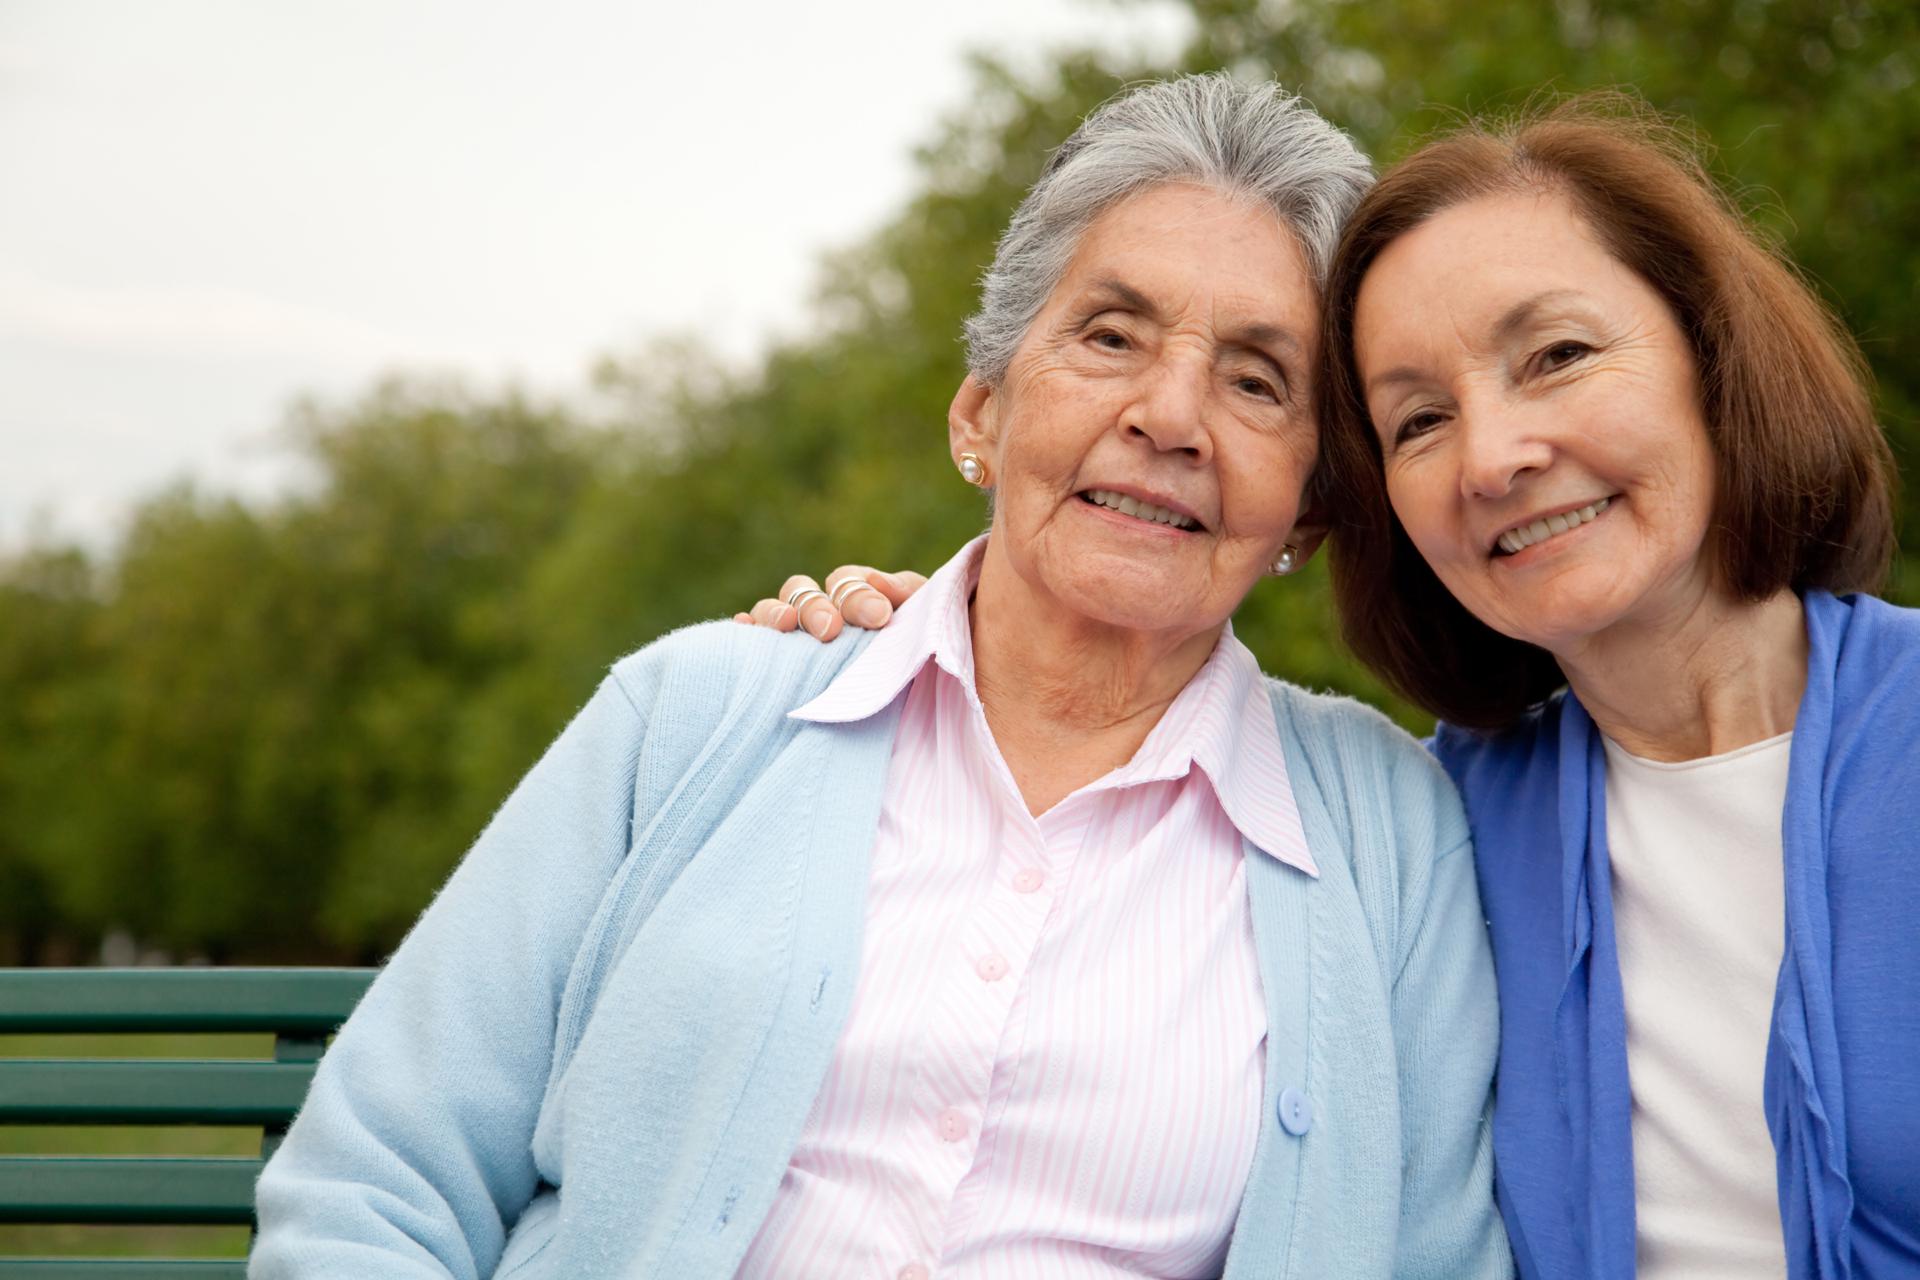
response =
{"points": [[1500, 444], [1169, 408]]}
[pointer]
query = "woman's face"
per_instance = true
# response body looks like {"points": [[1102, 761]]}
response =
{"points": [[1539, 418], [1168, 368]]}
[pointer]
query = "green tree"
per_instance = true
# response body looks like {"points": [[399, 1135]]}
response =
{"points": [[54, 670], [269, 730]]}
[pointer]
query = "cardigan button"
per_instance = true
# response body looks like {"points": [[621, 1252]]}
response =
{"points": [[1295, 1110]]}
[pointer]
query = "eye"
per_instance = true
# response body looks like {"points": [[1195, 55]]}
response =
{"points": [[1417, 424], [1111, 340], [1254, 385], [1561, 354]]}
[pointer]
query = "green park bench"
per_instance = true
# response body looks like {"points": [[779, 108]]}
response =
{"points": [[300, 1008]]}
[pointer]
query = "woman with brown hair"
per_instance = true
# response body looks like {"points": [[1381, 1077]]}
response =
{"points": [[1607, 495], [1582, 427]]}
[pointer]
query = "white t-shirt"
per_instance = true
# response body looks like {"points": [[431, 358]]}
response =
{"points": [[1699, 916]]}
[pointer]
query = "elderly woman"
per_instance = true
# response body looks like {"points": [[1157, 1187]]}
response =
{"points": [[1041, 934], [1584, 430]]}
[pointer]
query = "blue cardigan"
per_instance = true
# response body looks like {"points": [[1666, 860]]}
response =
{"points": [[1842, 1090], [594, 1053]]}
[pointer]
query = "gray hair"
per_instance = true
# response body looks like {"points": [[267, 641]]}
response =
{"points": [[1253, 141]]}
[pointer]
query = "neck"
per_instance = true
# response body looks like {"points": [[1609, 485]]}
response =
{"points": [[1069, 698], [1712, 677]]}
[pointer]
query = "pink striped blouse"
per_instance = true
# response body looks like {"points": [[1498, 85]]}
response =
{"points": [[1054, 1059]]}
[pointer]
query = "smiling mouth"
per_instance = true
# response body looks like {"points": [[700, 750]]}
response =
{"points": [[1130, 506], [1520, 537]]}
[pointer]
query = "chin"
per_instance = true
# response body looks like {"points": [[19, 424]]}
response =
{"points": [[1560, 626], [1133, 601], [1559, 611]]}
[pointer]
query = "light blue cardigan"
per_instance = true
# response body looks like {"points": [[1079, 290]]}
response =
{"points": [[594, 1053]]}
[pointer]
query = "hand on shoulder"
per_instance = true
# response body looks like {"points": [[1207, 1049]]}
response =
{"points": [[854, 595]]}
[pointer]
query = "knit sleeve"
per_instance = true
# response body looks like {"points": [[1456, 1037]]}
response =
{"points": [[1413, 873], [412, 1156], [1446, 1028]]}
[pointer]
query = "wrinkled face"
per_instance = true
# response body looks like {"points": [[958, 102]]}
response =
{"points": [[1151, 440], [1539, 417]]}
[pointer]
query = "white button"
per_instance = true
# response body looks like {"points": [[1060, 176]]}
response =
{"points": [[951, 1124], [1028, 879], [914, 1271]]}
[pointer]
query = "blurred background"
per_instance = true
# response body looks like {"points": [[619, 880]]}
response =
{"points": [[371, 376]]}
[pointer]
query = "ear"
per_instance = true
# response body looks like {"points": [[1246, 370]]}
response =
{"points": [[973, 422], [1310, 528]]}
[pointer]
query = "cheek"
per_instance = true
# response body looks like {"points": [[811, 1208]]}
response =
{"points": [[1263, 484], [1028, 454], [1421, 510], [1048, 433], [1705, 479]]}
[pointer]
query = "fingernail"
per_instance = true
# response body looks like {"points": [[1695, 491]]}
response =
{"points": [[867, 608], [815, 623]]}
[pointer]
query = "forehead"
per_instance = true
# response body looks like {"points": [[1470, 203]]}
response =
{"points": [[1181, 243], [1469, 265]]}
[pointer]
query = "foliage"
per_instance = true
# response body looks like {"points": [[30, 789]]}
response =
{"points": [[268, 731]]}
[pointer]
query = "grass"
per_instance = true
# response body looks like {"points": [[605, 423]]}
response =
{"points": [[184, 1140]]}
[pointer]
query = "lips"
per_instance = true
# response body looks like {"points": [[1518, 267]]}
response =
{"points": [[1534, 532]]}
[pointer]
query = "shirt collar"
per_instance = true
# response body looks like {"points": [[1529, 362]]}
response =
{"points": [[1222, 721], [933, 624]]}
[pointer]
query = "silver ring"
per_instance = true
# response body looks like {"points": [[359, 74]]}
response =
{"points": [[847, 587], [801, 594]]}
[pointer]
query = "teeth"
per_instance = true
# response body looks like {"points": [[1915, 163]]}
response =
{"points": [[1524, 536], [1129, 506]]}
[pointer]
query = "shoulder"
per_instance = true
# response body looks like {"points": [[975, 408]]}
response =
{"points": [[709, 667], [1477, 759], [1384, 822], [1377, 783], [1867, 631], [1873, 651], [1896, 619], [1510, 785], [715, 681]]}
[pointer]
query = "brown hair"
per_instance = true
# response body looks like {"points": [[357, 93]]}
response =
{"points": [[1804, 476]]}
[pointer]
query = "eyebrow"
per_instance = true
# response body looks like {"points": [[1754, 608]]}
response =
{"points": [[1258, 335], [1117, 290], [1522, 313], [1511, 321], [1393, 377]]}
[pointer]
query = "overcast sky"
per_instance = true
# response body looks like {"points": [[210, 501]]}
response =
{"points": [[208, 207]]}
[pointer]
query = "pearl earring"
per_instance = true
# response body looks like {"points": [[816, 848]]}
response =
{"points": [[972, 470], [1287, 561]]}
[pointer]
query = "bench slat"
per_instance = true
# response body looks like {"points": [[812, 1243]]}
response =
{"points": [[115, 1268], [299, 1007], [198, 1190], [156, 1091], [310, 1002]]}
